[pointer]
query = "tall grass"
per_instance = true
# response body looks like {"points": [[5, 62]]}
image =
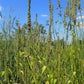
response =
{"points": [[30, 56]]}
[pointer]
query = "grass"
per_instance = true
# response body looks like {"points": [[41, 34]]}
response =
{"points": [[32, 57]]}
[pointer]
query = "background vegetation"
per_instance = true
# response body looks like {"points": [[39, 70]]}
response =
{"points": [[30, 55]]}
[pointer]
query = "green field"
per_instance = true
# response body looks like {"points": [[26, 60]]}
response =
{"points": [[32, 55]]}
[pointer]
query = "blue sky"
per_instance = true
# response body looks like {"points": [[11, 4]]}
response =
{"points": [[19, 9], [37, 6]]}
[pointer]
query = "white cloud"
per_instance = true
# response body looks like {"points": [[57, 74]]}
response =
{"points": [[44, 15], [82, 12], [79, 17], [0, 8], [81, 25], [0, 13]]}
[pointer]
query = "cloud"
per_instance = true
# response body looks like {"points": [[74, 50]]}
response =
{"points": [[81, 25], [79, 17], [0, 13], [0, 8], [44, 15]]}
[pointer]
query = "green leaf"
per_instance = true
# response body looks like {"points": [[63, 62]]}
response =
{"points": [[10, 70], [47, 82], [55, 80], [22, 72], [20, 64], [21, 53], [33, 81], [2, 73], [43, 69]]}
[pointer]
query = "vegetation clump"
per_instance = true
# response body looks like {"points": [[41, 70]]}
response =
{"points": [[31, 55]]}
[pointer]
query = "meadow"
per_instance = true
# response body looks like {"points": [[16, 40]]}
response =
{"points": [[31, 55]]}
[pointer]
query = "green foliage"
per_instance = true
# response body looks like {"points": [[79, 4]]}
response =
{"points": [[35, 57]]}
